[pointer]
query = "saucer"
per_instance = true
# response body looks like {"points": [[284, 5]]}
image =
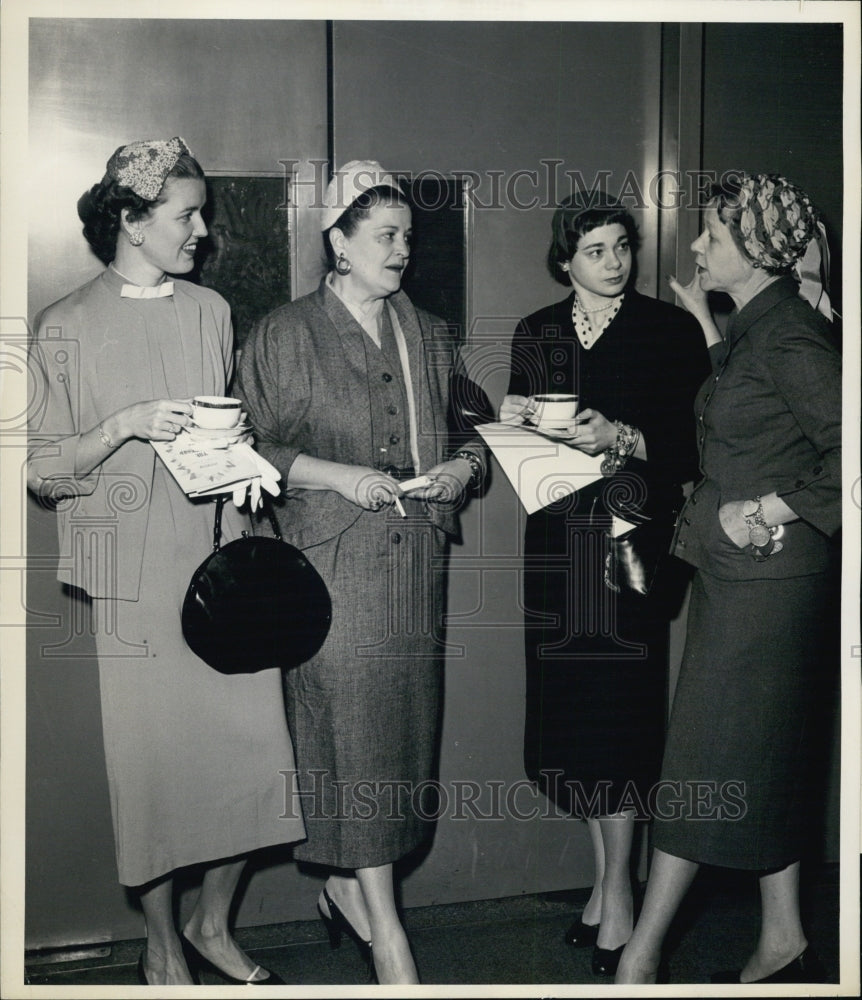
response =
{"points": [[214, 433], [547, 425]]}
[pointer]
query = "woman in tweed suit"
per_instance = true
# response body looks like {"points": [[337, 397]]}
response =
{"points": [[348, 391], [758, 529]]}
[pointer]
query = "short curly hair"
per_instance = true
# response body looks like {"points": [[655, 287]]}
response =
{"points": [[100, 207], [577, 215]]}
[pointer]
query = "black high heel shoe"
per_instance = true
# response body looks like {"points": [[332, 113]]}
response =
{"points": [[336, 924], [197, 963], [805, 968], [581, 935], [606, 960]]}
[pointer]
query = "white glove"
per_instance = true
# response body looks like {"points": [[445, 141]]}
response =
{"points": [[268, 478]]}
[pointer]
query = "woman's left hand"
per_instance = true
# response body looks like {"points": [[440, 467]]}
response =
{"points": [[450, 481], [733, 523], [590, 432]]}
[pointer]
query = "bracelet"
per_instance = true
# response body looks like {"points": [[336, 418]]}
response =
{"points": [[103, 437], [477, 471], [626, 442], [761, 538]]}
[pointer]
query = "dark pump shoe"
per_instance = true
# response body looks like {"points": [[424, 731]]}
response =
{"points": [[805, 968], [581, 935], [197, 964], [606, 960], [336, 923]]}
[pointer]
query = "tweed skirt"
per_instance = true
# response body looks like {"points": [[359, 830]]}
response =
{"points": [[737, 783], [364, 712]]}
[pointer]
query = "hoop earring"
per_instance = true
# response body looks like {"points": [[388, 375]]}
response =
{"points": [[136, 237], [343, 265]]}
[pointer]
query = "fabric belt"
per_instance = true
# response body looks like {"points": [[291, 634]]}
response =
{"points": [[408, 472]]}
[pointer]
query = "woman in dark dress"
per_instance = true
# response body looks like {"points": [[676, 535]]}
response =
{"points": [[596, 659], [757, 527]]}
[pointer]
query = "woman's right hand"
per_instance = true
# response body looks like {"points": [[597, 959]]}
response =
{"points": [[514, 410], [692, 297], [696, 301], [151, 420], [366, 487]]}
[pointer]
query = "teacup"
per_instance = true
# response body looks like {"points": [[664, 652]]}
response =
{"points": [[216, 412], [553, 407]]}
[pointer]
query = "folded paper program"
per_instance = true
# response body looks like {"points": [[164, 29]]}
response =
{"points": [[541, 470], [201, 469]]}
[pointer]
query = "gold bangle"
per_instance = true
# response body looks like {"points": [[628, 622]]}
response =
{"points": [[106, 441], [476, 469]]}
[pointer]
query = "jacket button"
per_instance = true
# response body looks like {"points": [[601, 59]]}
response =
{"points": [[693, 498], [681, 543], [800, 483], [685, 520], [818, 469], [396, 538], [394, 439], [392, 410], [387, 377]]}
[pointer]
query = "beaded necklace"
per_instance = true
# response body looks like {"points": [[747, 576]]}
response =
{"points": [[586, 331]]}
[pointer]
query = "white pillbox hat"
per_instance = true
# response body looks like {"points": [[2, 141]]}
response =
{"points": [[348, 183]]}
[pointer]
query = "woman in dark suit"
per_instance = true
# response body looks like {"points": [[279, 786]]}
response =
{"points": [[597, 659], [757, 527], [348, 390]]}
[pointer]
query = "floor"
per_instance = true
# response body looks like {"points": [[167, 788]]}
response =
{"points": [[510, 941]]}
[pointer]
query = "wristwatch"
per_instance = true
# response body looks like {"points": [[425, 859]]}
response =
{"points": [[758, 533]]}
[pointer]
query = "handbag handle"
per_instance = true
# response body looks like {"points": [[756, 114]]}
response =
{"points": [[267, 506]]}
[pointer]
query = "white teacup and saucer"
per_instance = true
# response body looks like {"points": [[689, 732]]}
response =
{"points": [[551, 411]]}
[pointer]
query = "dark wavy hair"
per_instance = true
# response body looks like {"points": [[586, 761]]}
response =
{"points": [[100, 207], [572, 221], [358, 210]]}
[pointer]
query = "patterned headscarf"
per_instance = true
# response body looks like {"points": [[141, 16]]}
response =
{"points": [[144, 166], [781, 229], [777, 220]]}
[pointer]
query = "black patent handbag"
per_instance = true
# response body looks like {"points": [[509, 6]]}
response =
{"points": [[640, 563], [255, 603], [633, 558]]}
